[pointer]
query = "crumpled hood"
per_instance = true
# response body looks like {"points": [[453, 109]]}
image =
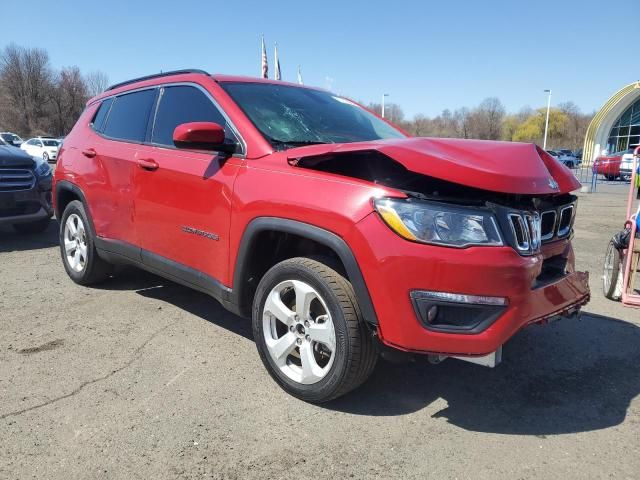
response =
{"points": [[506, 167], [15, 157]]}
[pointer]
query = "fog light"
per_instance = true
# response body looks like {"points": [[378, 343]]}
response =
{"points": [[432, 313]]}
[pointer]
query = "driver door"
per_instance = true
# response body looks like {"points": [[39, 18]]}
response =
{"points": [[183, 197]]}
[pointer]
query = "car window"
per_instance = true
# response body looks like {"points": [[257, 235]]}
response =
{"points": [[182, 104], [38, 143], [50, 143], [101, 114], [129, 116]]}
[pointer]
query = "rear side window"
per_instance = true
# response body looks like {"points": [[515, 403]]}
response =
{"points": [[182, 104], [101, 114], [129, 116]]}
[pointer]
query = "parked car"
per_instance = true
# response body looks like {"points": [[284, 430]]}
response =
{"points": [[578, 154], [335, 232], [25, 191], [42, 147], [568, 160], [616, 165], [11, 138]]}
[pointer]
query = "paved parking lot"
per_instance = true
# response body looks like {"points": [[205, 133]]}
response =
{"points": [[142, 378]]}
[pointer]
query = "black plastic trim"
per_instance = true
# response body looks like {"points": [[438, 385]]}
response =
{"points": [[311, 232], [120, 252], [156, 75], [491, 313]]}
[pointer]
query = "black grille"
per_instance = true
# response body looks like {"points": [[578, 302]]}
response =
{"points": [[15, 179], [548, 225], [566, 220]]}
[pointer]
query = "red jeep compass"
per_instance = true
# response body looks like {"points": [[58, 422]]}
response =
{"points": [[332, 229]]}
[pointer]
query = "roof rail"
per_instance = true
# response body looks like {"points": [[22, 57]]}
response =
{"points": [[156, 75]]}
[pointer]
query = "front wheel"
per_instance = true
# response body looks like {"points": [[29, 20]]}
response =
{"points": [[309, 331], [45, 156]]}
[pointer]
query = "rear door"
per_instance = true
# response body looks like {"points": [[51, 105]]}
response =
{"points": [[183, 203], [115, 152]]}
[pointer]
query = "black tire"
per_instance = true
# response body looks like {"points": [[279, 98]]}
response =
{"points": [[356, 352], [38, 226], [45, 157], [610, 275], [95, 269]]}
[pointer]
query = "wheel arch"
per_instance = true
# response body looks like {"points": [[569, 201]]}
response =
{"points": [[66, 192], [244, 284]]}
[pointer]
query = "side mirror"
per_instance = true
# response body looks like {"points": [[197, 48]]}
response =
{"points": [[202, 136]]}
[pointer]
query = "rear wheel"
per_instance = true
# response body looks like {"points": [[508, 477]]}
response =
{"points": [[77, 248], [612, 276], [309, 331]]}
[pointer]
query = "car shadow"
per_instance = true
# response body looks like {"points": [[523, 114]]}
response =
{"points": [[570, 376], [12, 241]]}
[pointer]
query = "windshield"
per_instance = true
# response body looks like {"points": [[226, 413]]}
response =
{"points": [[291, 116], [50, 143], [10, 137]]}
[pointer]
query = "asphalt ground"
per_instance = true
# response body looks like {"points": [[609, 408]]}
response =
{"points": [[143, 378]]}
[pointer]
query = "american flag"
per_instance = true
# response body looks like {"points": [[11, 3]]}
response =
{"points": [[265, 65], [278, 75]]}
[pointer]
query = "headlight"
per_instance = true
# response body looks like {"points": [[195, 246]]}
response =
{"points": [[42, 169], [439, 223]]}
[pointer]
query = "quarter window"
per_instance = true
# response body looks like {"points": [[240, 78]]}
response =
{"points": [[183, 104], [101, 114], [129, 116]]}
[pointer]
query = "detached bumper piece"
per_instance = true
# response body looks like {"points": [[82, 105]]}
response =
{"points": [[456, 313]]}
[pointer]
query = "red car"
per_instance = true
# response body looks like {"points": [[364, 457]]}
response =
{"points": [[615, 165], [334, 231]]}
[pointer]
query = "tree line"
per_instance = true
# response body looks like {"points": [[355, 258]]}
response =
{"points": [[37, 99], [490, 121]]}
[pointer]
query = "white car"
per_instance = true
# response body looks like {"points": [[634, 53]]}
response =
{"points": [[626, 163], [41, 147], [11, 139]]}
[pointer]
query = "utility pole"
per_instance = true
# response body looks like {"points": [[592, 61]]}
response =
{"points": [[546, 123], [384, 95]]}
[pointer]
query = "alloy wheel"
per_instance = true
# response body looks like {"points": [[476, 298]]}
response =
{"points": [[75, 243], [299, 331]]}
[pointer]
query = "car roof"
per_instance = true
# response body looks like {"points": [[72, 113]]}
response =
{"points": [[163, 77]]}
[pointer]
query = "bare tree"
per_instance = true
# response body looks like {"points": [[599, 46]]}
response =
{"points": [[69, 95], [97, 82], [488, 118], [25, 74]]}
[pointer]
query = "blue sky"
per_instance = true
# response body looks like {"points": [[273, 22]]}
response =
{"points": [[427, 55]]}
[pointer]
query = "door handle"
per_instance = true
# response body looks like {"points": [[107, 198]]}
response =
{"points": [[148, 164], [89, 152]]}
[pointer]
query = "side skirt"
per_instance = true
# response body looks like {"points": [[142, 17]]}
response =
{"points": [[122, 253]]}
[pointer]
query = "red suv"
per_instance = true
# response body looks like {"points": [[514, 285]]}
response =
{"points": [[334, 231]]}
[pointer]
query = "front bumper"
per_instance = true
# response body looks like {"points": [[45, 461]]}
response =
{"points": [[393, 268], [26, 206]]}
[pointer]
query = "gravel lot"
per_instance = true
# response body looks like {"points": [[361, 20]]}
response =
{"points": [[142, 378]]}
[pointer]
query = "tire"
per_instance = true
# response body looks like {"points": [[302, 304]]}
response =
{"points": [[306, 332], [45, 157], [90, 269], [38, 226], [612, 276]]}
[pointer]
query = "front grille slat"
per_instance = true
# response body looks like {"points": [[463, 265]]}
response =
{"points": [[16, 179]]}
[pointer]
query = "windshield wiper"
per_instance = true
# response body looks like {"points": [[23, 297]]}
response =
{"points": [[284, 144]]}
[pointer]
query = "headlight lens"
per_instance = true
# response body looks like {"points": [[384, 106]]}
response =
{"points": [[42, 169], [439, 223]]}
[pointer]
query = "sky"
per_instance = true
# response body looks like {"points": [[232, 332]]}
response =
{"points": [[426, 55]]}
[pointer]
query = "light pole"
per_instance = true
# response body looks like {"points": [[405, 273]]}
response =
{"points": [[546, 123], [384, 95]]}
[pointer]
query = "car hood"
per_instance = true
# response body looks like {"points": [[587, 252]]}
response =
{"points": [[14, 157], [506, 167]]}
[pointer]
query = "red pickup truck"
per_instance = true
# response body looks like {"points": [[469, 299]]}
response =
{"points": [[338, 234]]}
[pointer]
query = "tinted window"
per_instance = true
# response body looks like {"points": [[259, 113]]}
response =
{"points": [[101, 114], [184, 104], [129, 115]]}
